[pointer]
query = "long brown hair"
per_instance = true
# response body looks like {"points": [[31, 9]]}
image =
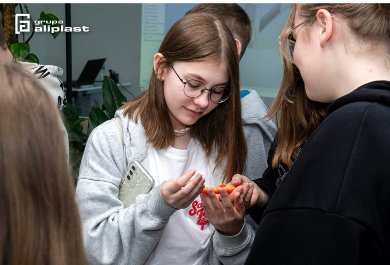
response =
{"points": [[368, 22], [197, 37], [39, 219], [296, 115]]}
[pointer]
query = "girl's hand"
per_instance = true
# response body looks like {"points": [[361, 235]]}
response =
{"points": [[251, 193], [180, 192], [225, 212]]}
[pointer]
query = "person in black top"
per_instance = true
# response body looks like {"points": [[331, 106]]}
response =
{"points": [[333, 205], [297, 116]]}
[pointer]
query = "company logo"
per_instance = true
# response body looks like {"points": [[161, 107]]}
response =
{"points": [[23, 24]]}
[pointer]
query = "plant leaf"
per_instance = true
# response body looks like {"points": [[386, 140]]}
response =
{"points": [[69, 115], [20, 50], [75, 155], [112, 97], [32, 58], [96, 117], [55, 34], [48, 17], [72, 123], [52, 20], [77, 138]]}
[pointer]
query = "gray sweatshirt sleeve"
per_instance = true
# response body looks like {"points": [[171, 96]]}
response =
{"points": [[259, 134], [114, 234], [232, 250]]}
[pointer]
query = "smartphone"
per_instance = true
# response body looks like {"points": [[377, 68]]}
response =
{"points": [[136, 181]]}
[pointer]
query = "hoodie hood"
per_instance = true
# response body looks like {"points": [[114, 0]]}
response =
{"points": [[134, 140], [377, 91], [254, 111]]}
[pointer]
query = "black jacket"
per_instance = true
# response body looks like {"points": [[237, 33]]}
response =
{"points": [[267, 182], [333, 206]]}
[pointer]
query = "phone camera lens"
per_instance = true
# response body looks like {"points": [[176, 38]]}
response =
{"points": [[128, 177], [131, 172], [133, 167]]}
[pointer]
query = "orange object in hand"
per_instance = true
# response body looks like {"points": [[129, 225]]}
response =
{"points": [[228, 189]]}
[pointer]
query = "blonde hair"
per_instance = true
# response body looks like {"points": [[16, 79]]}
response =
{"points": [[197, 37], [39, 219]]}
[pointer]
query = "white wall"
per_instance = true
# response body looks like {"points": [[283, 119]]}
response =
{"points": [[115, 32]]}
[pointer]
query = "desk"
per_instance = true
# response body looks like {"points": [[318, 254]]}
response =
{"points": [[96, 87], [85, 97]]}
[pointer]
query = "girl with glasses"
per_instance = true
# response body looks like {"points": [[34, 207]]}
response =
{"points": [[332, 207], [186, 131]]}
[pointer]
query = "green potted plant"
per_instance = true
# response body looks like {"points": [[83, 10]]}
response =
{"points": [[113, 99], [112, 96], [20, 47]]}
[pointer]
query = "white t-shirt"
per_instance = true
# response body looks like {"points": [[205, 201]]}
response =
{"points": [[186, 237]]}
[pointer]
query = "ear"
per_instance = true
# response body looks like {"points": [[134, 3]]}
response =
{"points": [[238, 45], [159, 66], [325, 21]]}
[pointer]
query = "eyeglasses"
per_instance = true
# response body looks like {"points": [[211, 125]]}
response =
{"points": [[290, 40], [194, 88]]}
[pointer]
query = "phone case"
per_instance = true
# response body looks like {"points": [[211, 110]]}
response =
{"points": [[135, 181]]}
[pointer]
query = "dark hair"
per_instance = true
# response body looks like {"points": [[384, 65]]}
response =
{"points": [[39, 219], [234, 17], [197, 37]]}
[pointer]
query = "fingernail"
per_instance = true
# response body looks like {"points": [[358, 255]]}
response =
{"points": [[194, 174], [198, 176]]}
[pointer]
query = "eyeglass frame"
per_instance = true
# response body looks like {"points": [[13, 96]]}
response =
{"points": [[210, 90], [291, 41]]}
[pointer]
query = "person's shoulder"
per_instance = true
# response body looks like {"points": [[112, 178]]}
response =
{"points": [[361, 110], [252, 105], [367, 99], [118, 126], [42, 70], [251, 100], [246, 94], [49, 76], [107, 131], [253, 112], [354, 117]]}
